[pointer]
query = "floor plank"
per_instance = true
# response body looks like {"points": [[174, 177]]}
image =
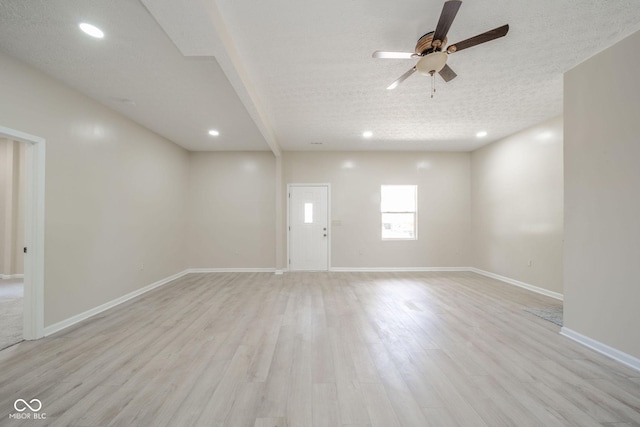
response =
{"points": [[320, 349]]}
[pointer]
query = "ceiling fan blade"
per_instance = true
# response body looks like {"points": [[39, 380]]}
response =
{"points": [[479, 39], [394, 55], [448, 14], [402, 78], [447, 73]]}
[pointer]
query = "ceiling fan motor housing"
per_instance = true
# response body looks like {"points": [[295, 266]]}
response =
{"points": [[424, 44]]}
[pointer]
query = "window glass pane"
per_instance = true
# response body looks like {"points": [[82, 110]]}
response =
{"points": [[398, 198], [398, 204], [398, 226], [308, 213]]}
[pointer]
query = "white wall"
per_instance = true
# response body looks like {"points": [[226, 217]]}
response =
{"points": [[115, 193], [517, 206], [12, 160], [4, 181], [231, 211], [355, 178], [602, 197]]}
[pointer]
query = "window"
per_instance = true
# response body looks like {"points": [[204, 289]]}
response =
{"points": [[399, 208], [308, 213]]}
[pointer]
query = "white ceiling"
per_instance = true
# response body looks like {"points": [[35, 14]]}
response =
{"points": [[286, 74]]}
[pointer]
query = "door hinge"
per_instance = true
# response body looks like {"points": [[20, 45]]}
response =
{"points": [[289, 195], [25, 250]]}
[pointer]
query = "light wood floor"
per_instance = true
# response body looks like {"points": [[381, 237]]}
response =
{"points": [[321, 349], [11, 311]]}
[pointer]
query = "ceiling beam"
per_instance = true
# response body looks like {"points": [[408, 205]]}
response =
{"points": [[198, 29]]}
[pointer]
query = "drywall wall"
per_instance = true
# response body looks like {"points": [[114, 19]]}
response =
{"points": [[356, 177], [231, 211], [517, 204], [12, 160], [602, 197], [116, 193], [5, 180]]}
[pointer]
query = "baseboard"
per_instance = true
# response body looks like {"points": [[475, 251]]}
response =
{"points": [[232, 270], [612, 353], [518, 283], [395, 269], [11, 276], [56, 327]]}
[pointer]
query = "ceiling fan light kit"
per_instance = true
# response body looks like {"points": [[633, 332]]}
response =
{"points": [[431, 63], [429, 48]]}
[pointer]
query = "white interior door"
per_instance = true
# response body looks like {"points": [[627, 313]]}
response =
{"points": [[308, 228]]}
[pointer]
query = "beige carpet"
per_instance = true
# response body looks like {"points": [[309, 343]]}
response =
{"points": [[11, 321], [551, 314]]}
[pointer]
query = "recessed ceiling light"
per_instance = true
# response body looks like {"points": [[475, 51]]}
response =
{"points": [[367, 134], [92, 30], [214, 132], [482, 134]]}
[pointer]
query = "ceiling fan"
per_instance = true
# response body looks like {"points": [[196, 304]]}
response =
{"points": [[433, 59]]}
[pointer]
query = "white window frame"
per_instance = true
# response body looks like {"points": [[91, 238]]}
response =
{"points": [[414, 212]]}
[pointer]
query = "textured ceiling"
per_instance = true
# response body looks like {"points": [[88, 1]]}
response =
{"points": [[292, 73]]}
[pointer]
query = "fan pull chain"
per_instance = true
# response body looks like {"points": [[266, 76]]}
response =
{"points": [[433, 84]]}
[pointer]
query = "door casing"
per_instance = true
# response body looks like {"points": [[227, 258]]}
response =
{"points": [[34, 231]]}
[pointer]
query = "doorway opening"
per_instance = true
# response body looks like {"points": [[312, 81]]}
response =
{"points": [[33, 148], [12, 159]]}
